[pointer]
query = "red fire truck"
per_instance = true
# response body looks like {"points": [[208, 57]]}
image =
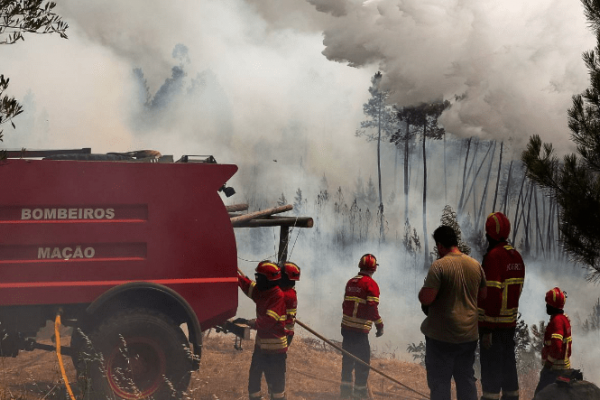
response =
{"points": [[128, 248]]}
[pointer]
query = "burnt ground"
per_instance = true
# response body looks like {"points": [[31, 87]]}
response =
{"points": [[313, 374]]}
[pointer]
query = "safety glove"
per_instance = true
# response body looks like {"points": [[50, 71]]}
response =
{"points": [[379, 332]]}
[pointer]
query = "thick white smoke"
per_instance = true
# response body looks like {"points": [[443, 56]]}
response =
{"points": [[514, 65], [274, 103]]}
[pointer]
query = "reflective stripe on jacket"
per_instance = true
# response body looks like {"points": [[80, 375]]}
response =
{"points": [[360, 306], [291, 304], [270, 316], [558, 342], [505, 274]]}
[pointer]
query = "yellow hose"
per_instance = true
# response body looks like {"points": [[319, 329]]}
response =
{"points": [[60, 359]]}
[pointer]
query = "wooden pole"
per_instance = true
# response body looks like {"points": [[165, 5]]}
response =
{"points": [[263, 213], [284, 241], [359, 360], [237, 207]]}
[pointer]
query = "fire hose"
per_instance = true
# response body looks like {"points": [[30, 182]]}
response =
{"points": [[60, 359], [359, 360]]}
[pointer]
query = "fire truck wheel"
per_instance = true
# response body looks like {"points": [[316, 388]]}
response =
{"points": [[139, 354]]}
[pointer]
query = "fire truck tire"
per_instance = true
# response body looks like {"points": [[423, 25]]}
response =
{"points": [[138, 354]]}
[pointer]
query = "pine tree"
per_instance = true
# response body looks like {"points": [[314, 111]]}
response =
{"points": [[298, 202], [381, 118], [449, 219], [282, 201], [575, 181]]}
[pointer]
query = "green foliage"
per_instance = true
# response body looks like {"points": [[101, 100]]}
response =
{"points": [[18, 17], [449, 219], [282, 201], [592, 322], [411, 240], [575, 181], [424, 117], [29, 16], [9, 107], [418, 352], [528, 346], [298, 202], [379, 113]]}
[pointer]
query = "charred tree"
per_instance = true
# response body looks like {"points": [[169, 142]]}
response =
{"points": [[499, 174]]}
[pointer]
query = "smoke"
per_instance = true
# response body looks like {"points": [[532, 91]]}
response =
{"points": [[510, 69], [266, 85]]}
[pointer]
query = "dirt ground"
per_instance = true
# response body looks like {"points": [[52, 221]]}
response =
{"points": [[313, 374]]}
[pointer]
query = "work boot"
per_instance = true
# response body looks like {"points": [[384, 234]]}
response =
{"points": [[255, 396], [278, 396], [346, 390], [360, 393]]}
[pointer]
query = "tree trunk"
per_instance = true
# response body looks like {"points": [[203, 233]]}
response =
{"points": [[550, 233], [539, 240], [485, 189], [516, 220], [445, 174], [499, 174], [462, 192], [406, 177], [425, 238], [476, 175], [505, 201], [380, 210], [528, 224]]}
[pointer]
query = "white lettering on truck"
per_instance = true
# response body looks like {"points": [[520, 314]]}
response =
{"points": [[67, 213], [65, 252]]}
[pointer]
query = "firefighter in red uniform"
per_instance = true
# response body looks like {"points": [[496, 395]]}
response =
{"points": [[271, 343], [360, 309], [556, 352], [289, 277], [505, 273]]}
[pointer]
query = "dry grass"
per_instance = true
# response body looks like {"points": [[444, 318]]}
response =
{"points": [[313, 374]]}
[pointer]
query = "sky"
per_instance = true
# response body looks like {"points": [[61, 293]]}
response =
{"points": [[277, 86]]}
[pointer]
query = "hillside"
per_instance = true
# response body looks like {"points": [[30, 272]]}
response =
{"points": [[313, 374]]}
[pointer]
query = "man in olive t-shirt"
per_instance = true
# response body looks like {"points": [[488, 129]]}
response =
{"points": [[449, 298]]}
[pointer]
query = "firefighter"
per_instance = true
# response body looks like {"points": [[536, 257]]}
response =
{"points": [[270, 350], [360, 308], [556, 352], [290, 275], [505, 273]]}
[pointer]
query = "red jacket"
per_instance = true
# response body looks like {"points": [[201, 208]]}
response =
{"points": [[270, 316], [360, 304], [557, 342], [291, 303], [505, 273]]}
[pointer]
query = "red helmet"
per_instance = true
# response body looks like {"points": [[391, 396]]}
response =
{"points": [[292, 271], [556, 298], [269, 269], [497, 226], [368, 262]]}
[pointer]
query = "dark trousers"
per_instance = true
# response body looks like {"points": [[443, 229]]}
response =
{"points": [[273, 366], [356, 343], [499, 366], [547, 377], [445, 360]]}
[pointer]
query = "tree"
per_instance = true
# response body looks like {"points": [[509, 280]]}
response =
{"points": [[404, 136], [18, 17], [449, 219], [574, 182], [282, 201], [298, 202], [382, 118], [425, 116]]}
